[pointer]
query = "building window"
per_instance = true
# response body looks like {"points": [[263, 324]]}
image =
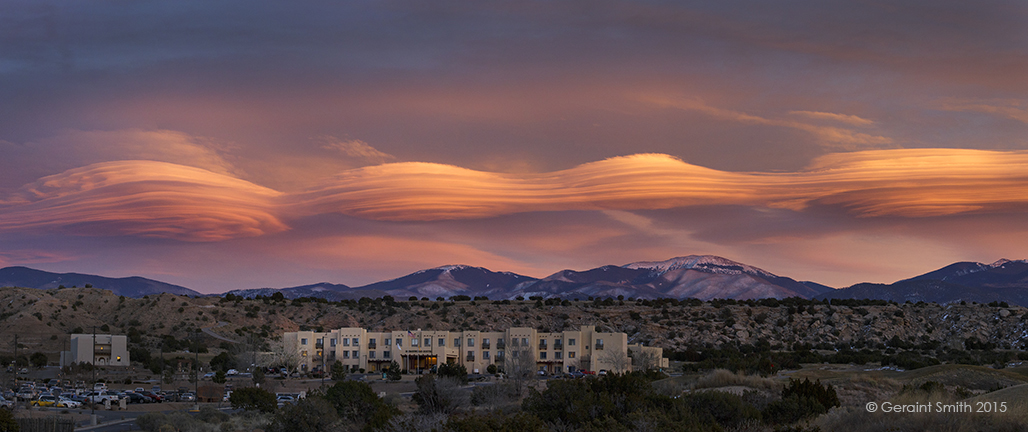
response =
{"points": [[346, 341], [372, 342], [599, 344], [385, 354], [485, 355], [414, 342], [399, 342], [442, 342], [356, 354], [302, 342], [558, 355], [346, 354], [371, 354], [542, 355], [571, 342], [485, 343], [524, 341], [471, 342], [428, 342], [514, 342], [388, 341], [332, 342], [571, 354], [356, 342], [456, 342]]}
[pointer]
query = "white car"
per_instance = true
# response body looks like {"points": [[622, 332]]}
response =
{"points": [[232, 372], [64, 402], [4, 403], [284, 400]]}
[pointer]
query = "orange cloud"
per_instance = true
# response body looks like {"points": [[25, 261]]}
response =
{"points": [[144, 198], [156, 199], [909, 183]]}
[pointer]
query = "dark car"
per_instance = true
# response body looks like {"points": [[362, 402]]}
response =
{"points": [[137, 398]]}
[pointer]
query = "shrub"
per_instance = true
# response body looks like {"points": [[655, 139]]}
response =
{"points": [[800, 400], [253, 399], [356, 402], [313, 414]]}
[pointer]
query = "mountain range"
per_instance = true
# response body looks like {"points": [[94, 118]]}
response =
{"points": [[696, 276]]}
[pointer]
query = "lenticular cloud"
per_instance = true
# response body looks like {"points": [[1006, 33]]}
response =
{"points": [[144, 198], [156, 199]]}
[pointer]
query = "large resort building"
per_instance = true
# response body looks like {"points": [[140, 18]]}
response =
{"points": [[568, 351]]}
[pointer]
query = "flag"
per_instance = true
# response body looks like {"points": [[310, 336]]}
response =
{"points": [[410, 335]]}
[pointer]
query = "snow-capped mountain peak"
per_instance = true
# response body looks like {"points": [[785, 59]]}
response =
{"points": [[706, 263]]}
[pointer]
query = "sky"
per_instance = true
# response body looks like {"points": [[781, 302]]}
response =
{"points": [[245, 144]]}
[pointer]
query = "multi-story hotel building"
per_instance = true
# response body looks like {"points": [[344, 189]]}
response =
{"points": [[585, 349]]}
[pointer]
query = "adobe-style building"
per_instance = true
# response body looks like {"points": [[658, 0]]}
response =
{"points": [[585, 349], [98, 349]]}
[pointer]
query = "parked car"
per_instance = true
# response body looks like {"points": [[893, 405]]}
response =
{"points": [[135, 398], [6, 403], [45, 400], [102, 396], [25, 393], [187, 397], [156, 397], [284, 400], [232, 372], [64, 402]]}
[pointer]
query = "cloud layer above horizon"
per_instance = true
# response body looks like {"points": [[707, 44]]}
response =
{"points": [[159, 199]]}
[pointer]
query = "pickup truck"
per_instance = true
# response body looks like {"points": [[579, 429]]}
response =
{"points": [[102, 396]]}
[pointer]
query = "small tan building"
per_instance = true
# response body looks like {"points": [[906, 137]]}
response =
{"points": [[579, 350], [98, 349]]}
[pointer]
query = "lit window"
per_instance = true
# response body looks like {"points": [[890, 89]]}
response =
{"points": [[571, 355]]}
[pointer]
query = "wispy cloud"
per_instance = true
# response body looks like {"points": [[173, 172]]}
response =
{"points": [[1010, 108], [832, 137], [354, 149], [841, 118]]}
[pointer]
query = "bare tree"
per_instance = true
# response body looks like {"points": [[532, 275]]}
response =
{"points": [[519, 365], [645, 360], [618, 361]]}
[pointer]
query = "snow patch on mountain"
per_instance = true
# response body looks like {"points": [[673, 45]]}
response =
{"points": [[704, 263]]}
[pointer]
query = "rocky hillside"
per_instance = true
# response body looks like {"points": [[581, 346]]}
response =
{"points": [[42, 319]]}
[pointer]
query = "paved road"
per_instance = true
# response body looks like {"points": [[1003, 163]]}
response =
{"points": [[217, 336]]}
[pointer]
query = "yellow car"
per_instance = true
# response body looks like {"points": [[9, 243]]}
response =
{"points": [[44, 401]]}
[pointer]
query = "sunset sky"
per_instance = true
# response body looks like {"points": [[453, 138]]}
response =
{"points": [[246, 144]]}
